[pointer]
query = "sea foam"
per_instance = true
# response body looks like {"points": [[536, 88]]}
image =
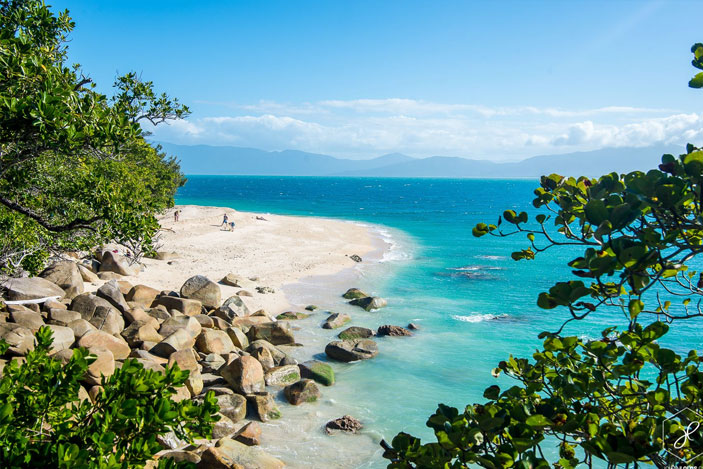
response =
{"points": [[478, 317]]}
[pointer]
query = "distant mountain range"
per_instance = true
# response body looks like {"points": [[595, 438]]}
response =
{"points": [[212, 160]]}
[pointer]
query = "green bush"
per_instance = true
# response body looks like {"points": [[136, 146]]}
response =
{"points": [[43, 423]]}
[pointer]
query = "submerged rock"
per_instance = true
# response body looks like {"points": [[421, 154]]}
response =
{"points": [[369, 303], [345, 424], [351, 350], [393, 331], [355, 258]]}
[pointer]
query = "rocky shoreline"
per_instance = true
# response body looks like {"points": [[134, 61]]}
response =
{"points": [[237, 354]]}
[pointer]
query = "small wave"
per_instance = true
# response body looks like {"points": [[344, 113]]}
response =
{"points": [[472, 268], [394, 252], [478, 317], [491, 258]]}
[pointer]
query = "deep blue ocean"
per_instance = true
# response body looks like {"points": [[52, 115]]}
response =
{"points": [[475, 305]]}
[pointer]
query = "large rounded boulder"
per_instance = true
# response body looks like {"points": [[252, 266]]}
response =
{"points": [[66, 275], [351, 350], [203, 289]]}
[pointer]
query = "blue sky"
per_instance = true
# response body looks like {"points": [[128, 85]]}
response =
{"points": [[496, 80]]}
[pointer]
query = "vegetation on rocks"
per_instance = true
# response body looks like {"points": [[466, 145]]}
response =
{"points": [[621, 399], [43, 422], [75, 168]]}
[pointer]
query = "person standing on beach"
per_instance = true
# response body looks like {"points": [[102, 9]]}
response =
{"points": [[225, 221], [176, 215]]}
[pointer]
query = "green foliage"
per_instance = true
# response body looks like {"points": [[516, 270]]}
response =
{"points": [[75, 169], [43, 423], [623, 399]]}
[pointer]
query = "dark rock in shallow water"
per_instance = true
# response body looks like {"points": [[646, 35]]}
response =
{"points": [[302, 391], [355, 258], [393, 331], [353, 293], [291, 316], [413, 327], [369, 302], [263, 406], [356, 332], [345, 424], [310, 307], [351, 350]]}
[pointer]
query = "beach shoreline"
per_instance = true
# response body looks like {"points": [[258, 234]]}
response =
{"points": [[277, 250], [304, 260]]}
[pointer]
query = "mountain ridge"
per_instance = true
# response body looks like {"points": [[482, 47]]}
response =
{"points": [[229, 160]]}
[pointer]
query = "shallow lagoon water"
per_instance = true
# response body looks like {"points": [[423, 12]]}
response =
{"points": [[474, 304]]}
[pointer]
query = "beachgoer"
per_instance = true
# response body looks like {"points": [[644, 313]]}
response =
{"points": [[231, 226], [175, 215], [225, 221]]}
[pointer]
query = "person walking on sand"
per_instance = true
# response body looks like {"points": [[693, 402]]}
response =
{"points": [[176, 215], [225, 221]]}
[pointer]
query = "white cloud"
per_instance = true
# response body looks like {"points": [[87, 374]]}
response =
{"points": [[364, 128]]}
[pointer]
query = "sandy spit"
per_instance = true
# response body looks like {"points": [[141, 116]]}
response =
{"points": [[277, 250]]}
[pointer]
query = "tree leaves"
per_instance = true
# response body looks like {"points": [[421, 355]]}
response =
{"points": [[118, 430], [623, 398], [75, 169]]}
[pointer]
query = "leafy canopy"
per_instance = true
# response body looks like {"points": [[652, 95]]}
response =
{"points": [[44, 424], [75, 168], [623, 398]]}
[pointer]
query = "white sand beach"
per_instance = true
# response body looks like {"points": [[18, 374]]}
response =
{"points": [[278, 250]]}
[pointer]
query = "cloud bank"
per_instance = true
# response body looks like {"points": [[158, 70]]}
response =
{"points": [[365, 128]]}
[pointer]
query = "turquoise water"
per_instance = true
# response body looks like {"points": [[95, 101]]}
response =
{"points": [[475, 305]]}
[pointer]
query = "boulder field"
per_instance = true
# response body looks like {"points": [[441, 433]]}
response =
{"points": [[227, 349]]}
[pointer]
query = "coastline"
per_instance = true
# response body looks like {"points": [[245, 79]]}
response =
{"points": [[278, 250], [306, 261]]}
